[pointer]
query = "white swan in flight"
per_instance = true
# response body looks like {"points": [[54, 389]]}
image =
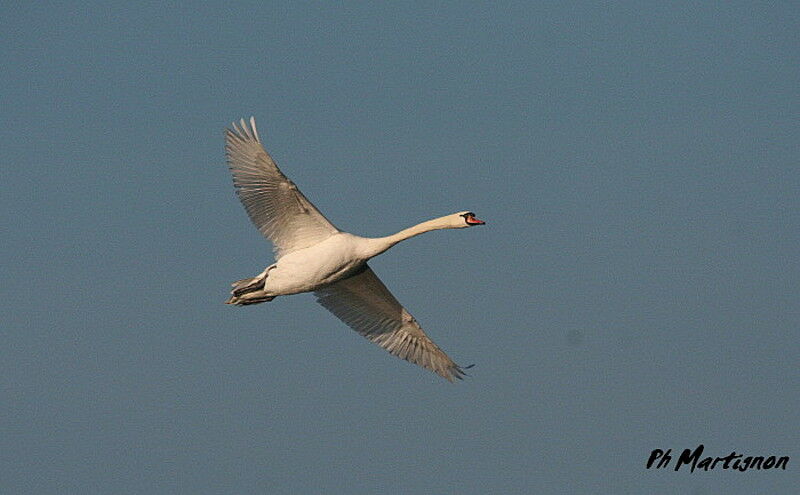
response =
{"points": [[314, 256]]}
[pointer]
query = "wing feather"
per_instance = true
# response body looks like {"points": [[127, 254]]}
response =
{"points": [[273, 202], [367, 306]]}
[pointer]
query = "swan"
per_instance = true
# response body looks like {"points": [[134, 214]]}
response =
{"points": [[312, 255]]}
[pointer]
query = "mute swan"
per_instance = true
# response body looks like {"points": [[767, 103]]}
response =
{"points": [[314, 256]]}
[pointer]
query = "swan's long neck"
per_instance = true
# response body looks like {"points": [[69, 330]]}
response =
{"points": [[379, 245]]}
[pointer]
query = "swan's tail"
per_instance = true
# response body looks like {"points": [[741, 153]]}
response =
{"points": [[249, 291]]}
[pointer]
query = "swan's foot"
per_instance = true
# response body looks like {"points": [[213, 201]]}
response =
{"points": [[250, 290], [248, 285], [251, 298]]}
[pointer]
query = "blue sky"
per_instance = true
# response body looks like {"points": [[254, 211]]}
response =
{"points": [[635, 286]]}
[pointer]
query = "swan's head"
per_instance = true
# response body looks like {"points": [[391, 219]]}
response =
{"points": [[464, 219]]}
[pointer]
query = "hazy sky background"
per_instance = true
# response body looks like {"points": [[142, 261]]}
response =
{"points": [[636, 286]]}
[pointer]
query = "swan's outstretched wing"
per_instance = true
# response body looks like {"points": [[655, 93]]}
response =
{"points": [[275, 205], [367, 306]]}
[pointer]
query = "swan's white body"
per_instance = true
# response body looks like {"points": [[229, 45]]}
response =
{"points": [[314, 256], [307, 269]]}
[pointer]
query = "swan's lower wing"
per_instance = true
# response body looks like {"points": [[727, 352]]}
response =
{"points": [[367, 306], [274, 203]]}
